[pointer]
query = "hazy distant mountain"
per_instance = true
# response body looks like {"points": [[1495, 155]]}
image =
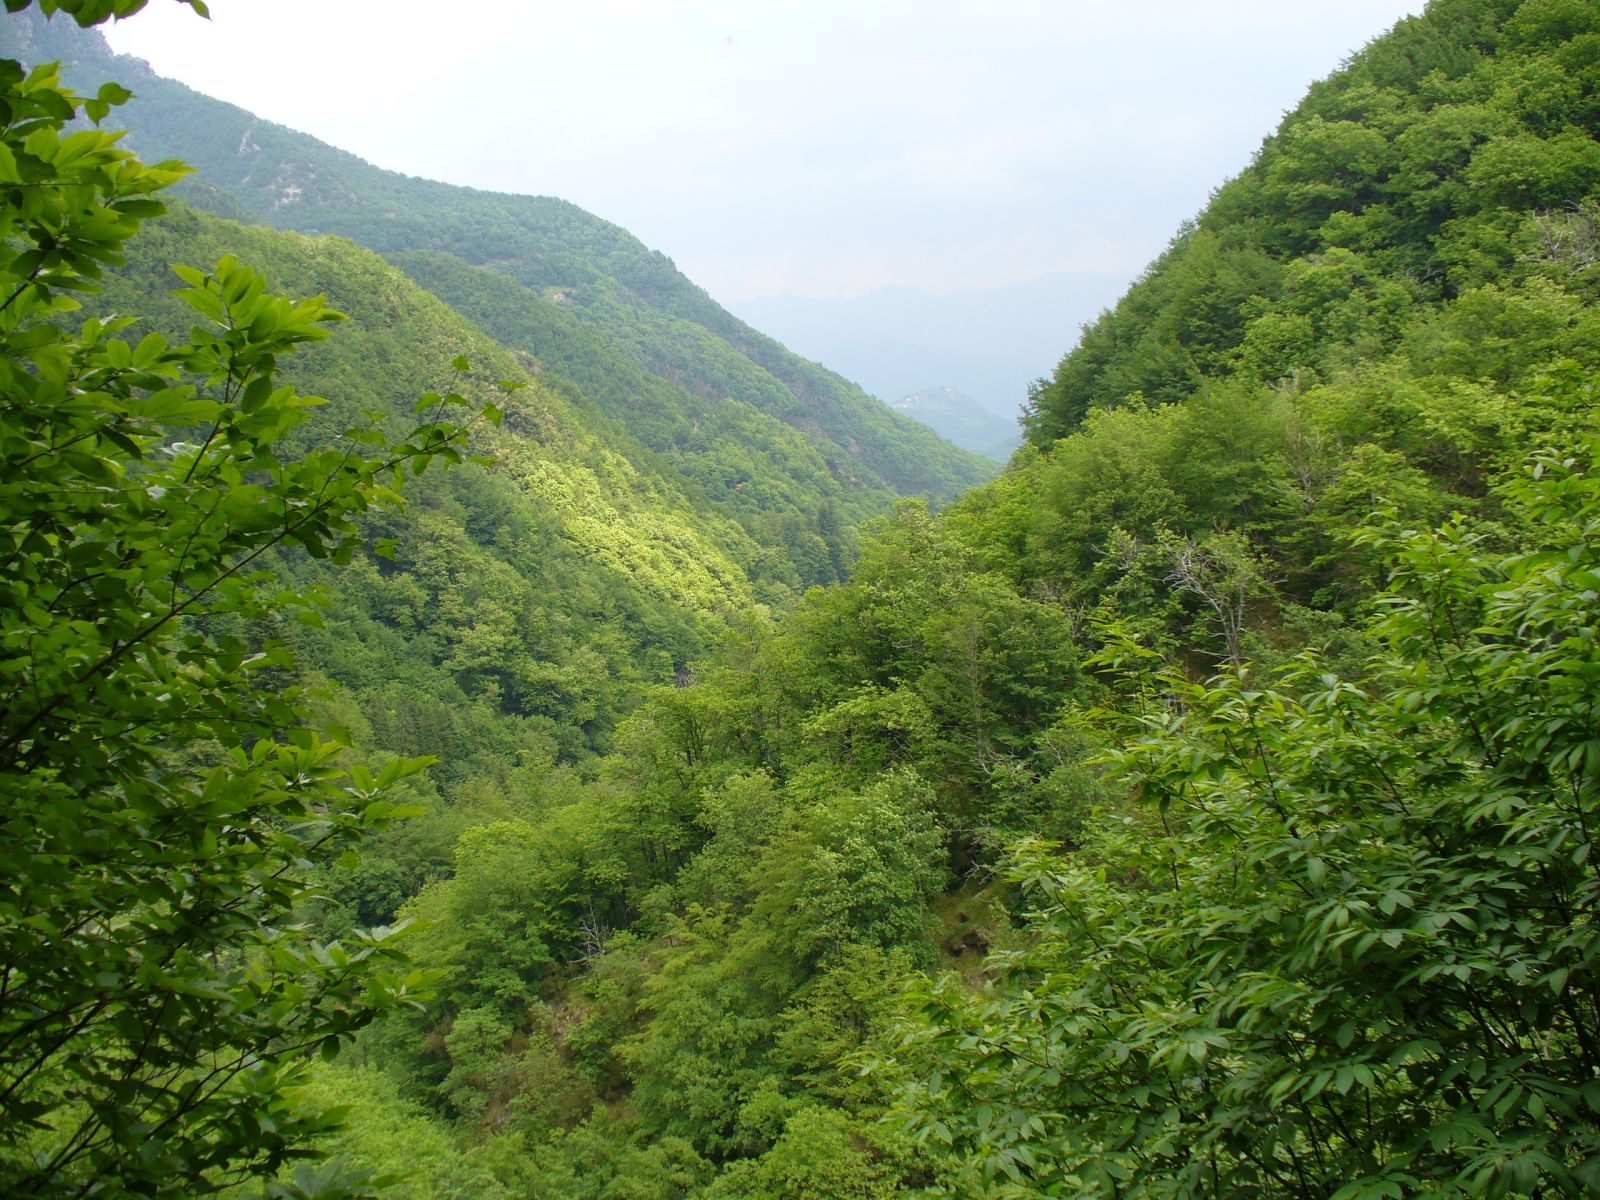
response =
{"points": [[957, 417], [989, 344]]}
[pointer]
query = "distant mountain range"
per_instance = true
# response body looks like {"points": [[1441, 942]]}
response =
{"points": [[898, 341], [957, 417]]}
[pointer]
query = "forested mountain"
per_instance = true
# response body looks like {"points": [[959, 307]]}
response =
{"points": [[530, 597], [1434, 192], [659, 494], [1203, 808], [705, 363]]}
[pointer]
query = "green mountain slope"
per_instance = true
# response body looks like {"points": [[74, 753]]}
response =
{"points": [[640, 303], [1228, 877], [531, 599], [1249, 713], [1439, 188], [729, 455]]}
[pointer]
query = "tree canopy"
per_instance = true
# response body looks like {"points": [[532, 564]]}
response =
{"points": [[1203, 807], [158, 993]]}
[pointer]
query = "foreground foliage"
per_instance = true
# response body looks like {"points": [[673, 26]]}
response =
{"points": [[163, 797], [1357, 956]]}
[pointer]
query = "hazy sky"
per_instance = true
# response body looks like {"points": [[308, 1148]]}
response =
{"points": [[807, 147]]}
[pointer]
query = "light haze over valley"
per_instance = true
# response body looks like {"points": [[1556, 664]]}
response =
{"points": [[913, 159]]}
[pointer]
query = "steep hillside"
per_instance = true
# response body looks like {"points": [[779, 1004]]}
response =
{"points": [[729, 455], [531, 600], [1276, 921], [1437, 191], [642, 306], [1205, 807]]}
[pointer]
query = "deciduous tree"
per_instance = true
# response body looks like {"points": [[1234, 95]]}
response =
{"points": [[164, 796]]}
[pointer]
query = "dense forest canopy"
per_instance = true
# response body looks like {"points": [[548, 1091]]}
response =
{"points": [[1202, 808]]}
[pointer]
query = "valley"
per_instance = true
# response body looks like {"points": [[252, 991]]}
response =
{"points": [[498, 724]]}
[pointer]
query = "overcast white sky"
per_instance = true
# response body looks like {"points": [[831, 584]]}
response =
{"points": [[802, 147]]}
